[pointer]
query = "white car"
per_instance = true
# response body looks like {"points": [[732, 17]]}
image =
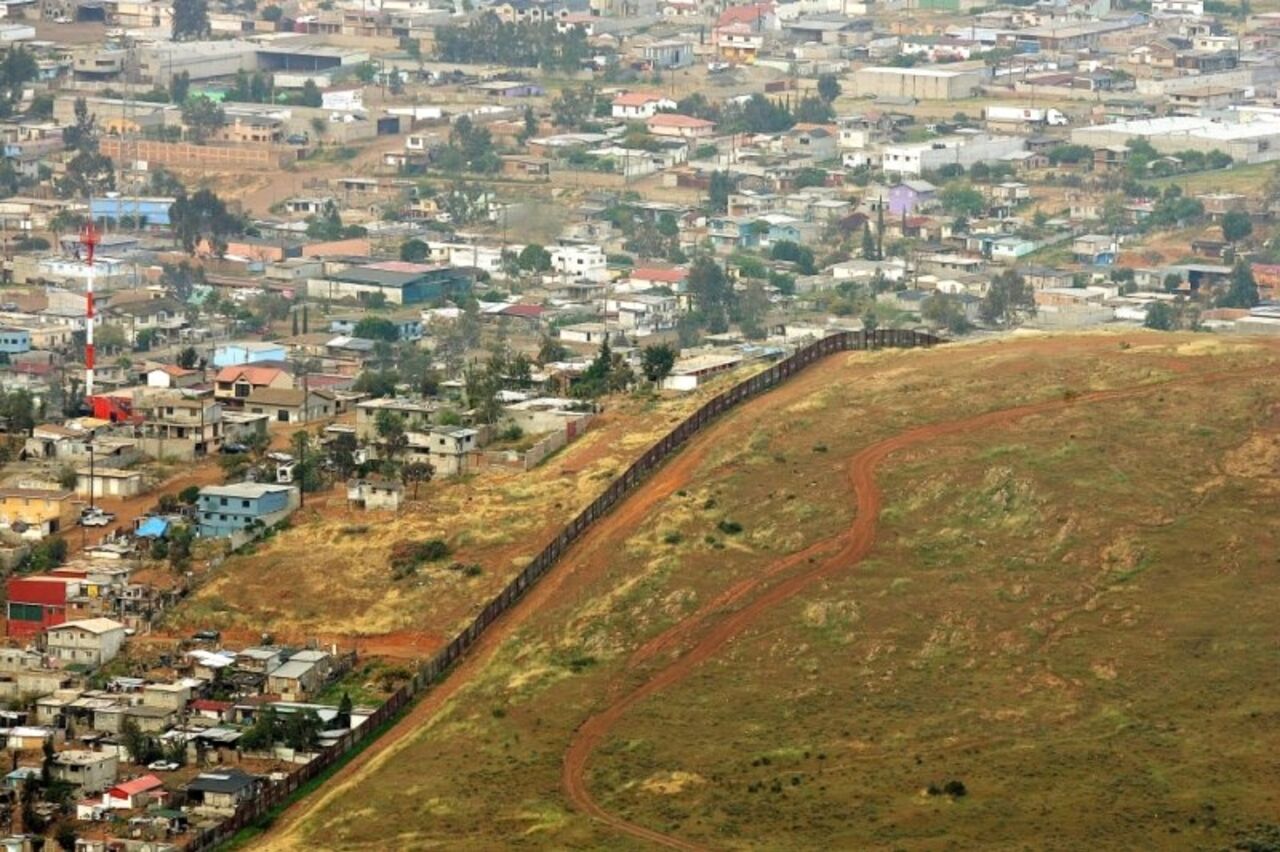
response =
{"points": [[62, 19], [95, 517], [163, 766]]}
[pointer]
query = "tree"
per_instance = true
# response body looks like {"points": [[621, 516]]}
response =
{"points": [[944, 310], [203, 216], [1007, 299], [190, 19], [88, 172], [414, 250], [814, 111], [551, 350], [534, 258], [377, 328], [390, 428], [343, 719], [1236, 226], [718, 190], [1242, 291], [202, 117], [180, 87], [656, 362], [801, 256], [272, 13], [417, 473], [868, 243], [1159, 317], [530, 125], [712, 294], [312, 96], [962, 200], [828, 87]]}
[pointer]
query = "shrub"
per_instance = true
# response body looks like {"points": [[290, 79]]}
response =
{"points": [[190, 494], [672, 537], [729, 527]]}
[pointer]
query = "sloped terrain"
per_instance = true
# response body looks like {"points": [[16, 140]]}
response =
{"points": [[1004, 595]]}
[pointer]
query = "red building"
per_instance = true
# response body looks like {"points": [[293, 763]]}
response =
{"points": [[114, 407], [37, 603]]}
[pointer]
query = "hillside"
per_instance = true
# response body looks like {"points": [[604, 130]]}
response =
{"points": [[1042, 570]]}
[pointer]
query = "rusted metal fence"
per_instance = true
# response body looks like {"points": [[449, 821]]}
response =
{"points": [[277, 793]]}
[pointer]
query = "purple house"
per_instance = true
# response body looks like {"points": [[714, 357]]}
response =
{"points": [[910, 195]]}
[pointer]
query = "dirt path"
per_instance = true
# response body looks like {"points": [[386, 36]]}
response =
{"points": [[850, 547], [591, 556]]}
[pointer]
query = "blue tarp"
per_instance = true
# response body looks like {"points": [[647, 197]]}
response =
{"points": [[152, 528]]}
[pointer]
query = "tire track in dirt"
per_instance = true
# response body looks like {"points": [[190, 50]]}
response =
{"points": [[591, 555], [854, 544]]}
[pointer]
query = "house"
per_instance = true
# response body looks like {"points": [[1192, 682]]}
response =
{"points": [[246, 352], [134, 793], [1095, 249], [87, 771], [36, 602], [670, 53], [179, 426], [223, 510], [408, 410], [689, 373], [171, 377], [304, 674], [91, 641], [233, 385], [642, 312], [375, 493], [730, 233], [36, 512], [640, 105], [815, 141], [221, 790], [286, 405], [14, 341], [587, 262], [108, 482], [910, 196], [162, 317], [680, 126], [452, 449]]}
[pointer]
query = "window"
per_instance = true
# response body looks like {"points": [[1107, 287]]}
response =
{"points": [[222, 501], [25, 612]]}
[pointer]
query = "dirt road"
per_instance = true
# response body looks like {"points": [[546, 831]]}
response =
{"points": [[591, 557], [846, 550]]}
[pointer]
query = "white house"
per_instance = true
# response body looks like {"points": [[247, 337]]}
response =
{"points": [[962, 150], [1177, 8], [642, 312], [580, 262], [91, 641], [640, 105]]}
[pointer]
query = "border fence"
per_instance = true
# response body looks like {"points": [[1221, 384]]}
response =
{"points": [[431, 671]]}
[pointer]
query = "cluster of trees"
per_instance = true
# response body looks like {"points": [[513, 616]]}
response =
{"points": [[144, 747], [203, 216], [256, 88], [190, 19], [299, 731], [759, 114], [645, 236], [487, 39], [203, 117], [716, 302], [17, 68], [327, 225], [1144, 161], [607, 373], [1008, 299], [577, 109], [88, 172], [470, 149]]}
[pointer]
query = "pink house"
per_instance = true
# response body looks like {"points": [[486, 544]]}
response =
{"points": [[680, 126]]}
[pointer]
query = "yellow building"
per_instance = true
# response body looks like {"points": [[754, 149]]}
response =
{"points": [[41, 509]]}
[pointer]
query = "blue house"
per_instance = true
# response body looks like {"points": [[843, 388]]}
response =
{"points": [[14, 341], [239, 353], [226, 509]]}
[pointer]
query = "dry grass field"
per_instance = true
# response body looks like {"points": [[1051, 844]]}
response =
{"points": [[1044, 569], [328, 575]]}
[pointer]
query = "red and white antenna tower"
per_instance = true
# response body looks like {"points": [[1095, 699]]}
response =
{"points": [[88, 239]]}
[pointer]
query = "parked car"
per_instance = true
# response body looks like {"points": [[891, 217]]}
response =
{"points": [[163, 766], [234, 449], [92, 516], [206, 636]]}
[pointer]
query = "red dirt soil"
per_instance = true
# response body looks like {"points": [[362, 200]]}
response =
{"points": [[593, 553], [854, 544]]}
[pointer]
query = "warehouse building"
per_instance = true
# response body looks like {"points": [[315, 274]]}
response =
{"points": [[959, 80], [1249, 141]]}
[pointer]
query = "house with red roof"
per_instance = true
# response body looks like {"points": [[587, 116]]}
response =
{"points": [[650, 277], [640, 105], [680, 126], [739, 32], [233, 385], [135, 793]]}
